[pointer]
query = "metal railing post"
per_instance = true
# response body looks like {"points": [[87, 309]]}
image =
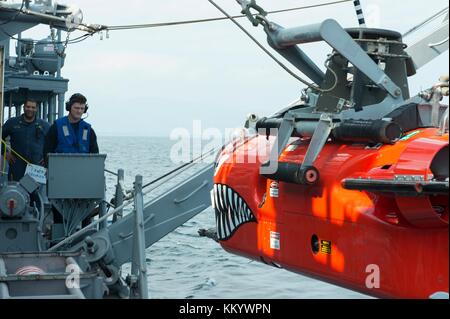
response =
{"points": [[119, 194], [103, 210], [139, 265]]}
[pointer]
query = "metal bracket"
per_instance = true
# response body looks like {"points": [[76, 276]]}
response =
{"points": [[338, 38], [318, 140], [247, 6], [443, 125], [284, 134]]}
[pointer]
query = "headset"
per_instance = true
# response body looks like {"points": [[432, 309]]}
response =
{"points": [[76, 98]]}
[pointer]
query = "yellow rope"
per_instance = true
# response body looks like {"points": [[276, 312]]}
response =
{"points": [[15, 153], [4, 164]]}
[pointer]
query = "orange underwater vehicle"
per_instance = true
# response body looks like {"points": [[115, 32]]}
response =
{"points": [[354, 189]]}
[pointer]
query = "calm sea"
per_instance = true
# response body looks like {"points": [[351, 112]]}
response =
{"points": [[184, 265]]}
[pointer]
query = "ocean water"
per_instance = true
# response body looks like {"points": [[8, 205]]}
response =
{"points": [[185, 265]]}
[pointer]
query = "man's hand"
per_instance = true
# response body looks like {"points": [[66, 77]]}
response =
{"points": [[10, 158]]}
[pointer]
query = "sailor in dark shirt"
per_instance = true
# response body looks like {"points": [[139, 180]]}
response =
{"points": [[27, 137], [71, 134]]}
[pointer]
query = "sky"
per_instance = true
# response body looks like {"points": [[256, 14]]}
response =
{"points": [[149, 82]]}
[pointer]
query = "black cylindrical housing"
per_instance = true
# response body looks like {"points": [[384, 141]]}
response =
{"points": [[368, 131], [396, 187], [294, 173], [286, 172], [268, 123]]}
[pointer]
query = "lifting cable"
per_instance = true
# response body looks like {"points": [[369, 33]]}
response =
{"points": [[166, 24], [281, 64], [427, 21], [180, 168]]}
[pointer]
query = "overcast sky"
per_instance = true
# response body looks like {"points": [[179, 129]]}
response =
{"points": [[148, 82]]}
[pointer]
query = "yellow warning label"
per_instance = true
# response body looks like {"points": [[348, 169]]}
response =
{"points": [[325, 247]]}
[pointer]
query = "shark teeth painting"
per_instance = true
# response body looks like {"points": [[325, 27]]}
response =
{"points": [[231, 211]]}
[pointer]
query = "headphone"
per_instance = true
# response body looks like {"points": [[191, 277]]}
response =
{"points": [[76, 98]]}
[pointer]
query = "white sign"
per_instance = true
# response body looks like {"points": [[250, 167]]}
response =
{"points": [[49, 48], [274, 190], [38, 173], [274, 240]]}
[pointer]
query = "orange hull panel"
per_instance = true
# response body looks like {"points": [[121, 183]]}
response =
{"points": [[375, 243]]}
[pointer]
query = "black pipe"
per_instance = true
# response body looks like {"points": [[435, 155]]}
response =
{"points": [[294, 173], [268, 123], [368, 131], [397, 187], [351, 131]]}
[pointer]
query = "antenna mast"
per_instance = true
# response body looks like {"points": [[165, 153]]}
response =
{"points": [[359, 14]]}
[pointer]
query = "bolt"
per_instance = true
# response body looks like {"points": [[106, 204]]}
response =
{"points": [[272, 27], [91, 247]]}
